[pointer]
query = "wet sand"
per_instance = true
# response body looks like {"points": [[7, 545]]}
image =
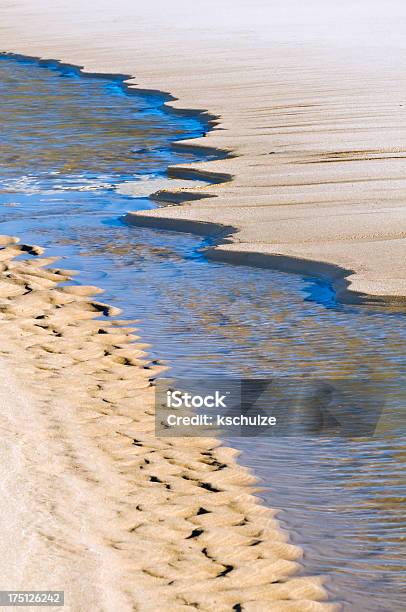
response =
{"points": [[95, 504], [316, 140], [310, 103]]}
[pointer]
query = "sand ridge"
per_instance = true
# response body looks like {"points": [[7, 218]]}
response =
{"points": [[109, 512]]}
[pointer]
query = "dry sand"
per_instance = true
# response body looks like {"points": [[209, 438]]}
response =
{"points": [[92, 502], [311, 102]]}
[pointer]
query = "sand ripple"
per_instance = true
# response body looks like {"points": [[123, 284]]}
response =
{"points": [[97, 505]]}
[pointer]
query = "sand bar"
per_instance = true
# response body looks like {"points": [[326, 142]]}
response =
{"points": [[93, 502], [311, 104]]}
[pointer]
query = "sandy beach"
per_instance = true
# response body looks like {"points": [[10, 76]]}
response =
{"points": [[94, 503], [310, 103]]}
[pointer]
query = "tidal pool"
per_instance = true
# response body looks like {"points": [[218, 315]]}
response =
{"points": [[68, 143]]}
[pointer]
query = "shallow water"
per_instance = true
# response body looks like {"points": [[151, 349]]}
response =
{"points": [[67, 142]]}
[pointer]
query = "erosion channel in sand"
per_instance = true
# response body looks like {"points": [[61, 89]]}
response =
{"points": [[310, 97], [328, 491], [94, 504]]}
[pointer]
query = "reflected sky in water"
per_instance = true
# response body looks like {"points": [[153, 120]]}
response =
{"points": [[67, 142]]}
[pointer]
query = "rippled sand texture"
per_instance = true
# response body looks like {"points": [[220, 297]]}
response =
{"points": [[94, 503], [310, 99]]}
